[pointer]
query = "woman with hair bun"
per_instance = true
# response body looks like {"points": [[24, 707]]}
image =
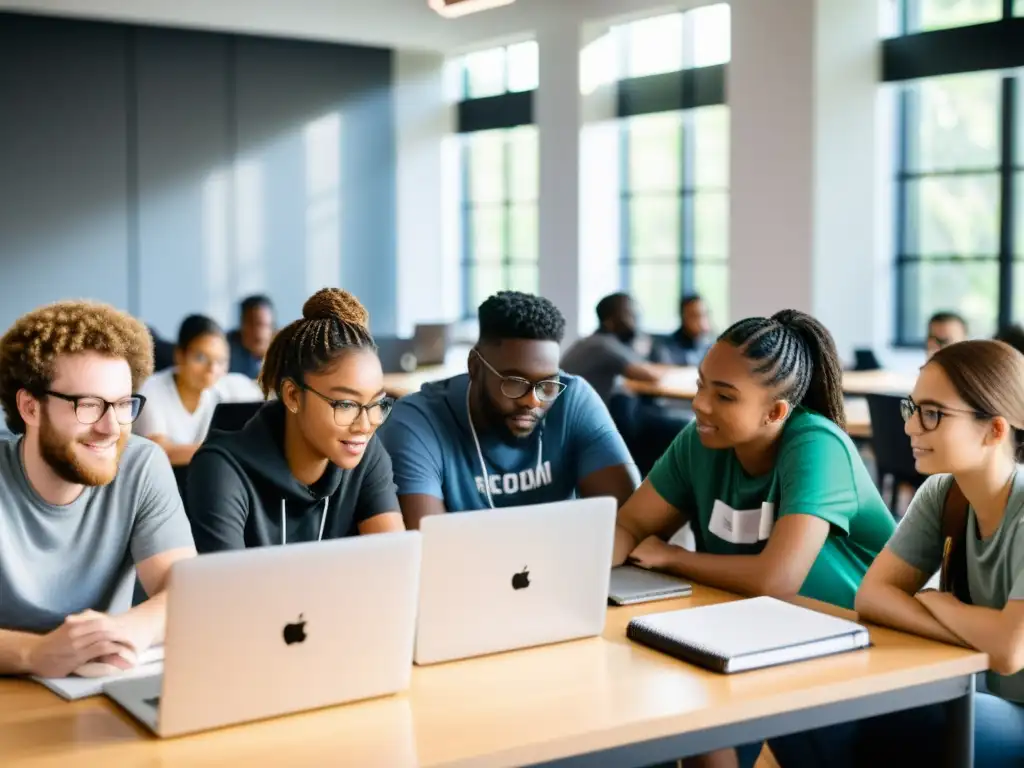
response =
{"points": [[307, 467]]}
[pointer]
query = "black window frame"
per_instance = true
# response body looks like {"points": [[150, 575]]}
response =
{"points": [[996, 46]]}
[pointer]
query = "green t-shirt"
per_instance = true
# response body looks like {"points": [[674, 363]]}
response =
{"points": [[995, 566], [817, 472]]}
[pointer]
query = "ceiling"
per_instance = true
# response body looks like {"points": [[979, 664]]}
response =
{"points": [[408, 24]]}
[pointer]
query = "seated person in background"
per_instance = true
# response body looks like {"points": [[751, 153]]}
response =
{"points": [[1012, 335], [180, 401], [250, 342], [779, 499], [307, 466], [689, 344], [514, 431], [83, 503], [966, 423], [945, 328], [609, 353]]}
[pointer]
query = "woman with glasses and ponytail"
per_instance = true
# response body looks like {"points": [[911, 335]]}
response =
{"points": [[307, 467], [514, 431]]}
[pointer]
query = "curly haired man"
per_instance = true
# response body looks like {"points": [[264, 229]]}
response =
{"points": [[82, 501]]}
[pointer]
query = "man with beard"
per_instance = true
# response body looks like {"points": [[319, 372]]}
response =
{"points": [[612, 351], [514, 431], [83, 503]]}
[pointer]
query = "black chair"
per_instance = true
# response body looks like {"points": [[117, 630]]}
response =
{"points": [[891, 446], [231, 417], [865, 360]]}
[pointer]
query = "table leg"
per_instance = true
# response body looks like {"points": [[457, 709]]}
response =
{"points": [[960, 730]]}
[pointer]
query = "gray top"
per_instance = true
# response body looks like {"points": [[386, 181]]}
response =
{"points": [[600, 359], [55, 561], [995, 566]]}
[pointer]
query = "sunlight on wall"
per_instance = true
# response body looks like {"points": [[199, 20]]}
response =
{"points": [[250, 255], [219, 300], [323, 138]]}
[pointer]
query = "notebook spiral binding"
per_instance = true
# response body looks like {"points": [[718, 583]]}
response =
{"points": [[640, 632]]}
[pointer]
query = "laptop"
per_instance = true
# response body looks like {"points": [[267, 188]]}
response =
{"points": [[257, 633], [500, 579], [631, 585], [431, 343], [396, 355], [231, 417]]}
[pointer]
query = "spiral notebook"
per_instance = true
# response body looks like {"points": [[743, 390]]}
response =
{"points": [[747, 634]]}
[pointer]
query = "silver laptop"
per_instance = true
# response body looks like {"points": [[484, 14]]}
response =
{"points": [[630, 585], [269, 631], [495, 580], [431, 343]]}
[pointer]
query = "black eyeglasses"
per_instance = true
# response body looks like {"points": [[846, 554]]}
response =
{"points": [[930, 416], [515, 387], [89, 409], [347, 412]]}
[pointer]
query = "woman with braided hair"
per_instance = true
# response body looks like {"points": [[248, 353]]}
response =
{"points": [[308, 466], [779, 499]]}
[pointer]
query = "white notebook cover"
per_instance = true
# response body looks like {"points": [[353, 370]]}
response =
{"points": [[73, 687], [748, 634]]}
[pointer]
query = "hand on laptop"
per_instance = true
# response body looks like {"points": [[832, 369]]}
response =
{"points": [[652, 553], [84, 637]]}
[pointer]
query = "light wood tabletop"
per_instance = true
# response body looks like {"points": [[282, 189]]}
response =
{"points": [[512, 709]]}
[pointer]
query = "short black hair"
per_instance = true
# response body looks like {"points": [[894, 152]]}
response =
{"points": [[946, 316], [256, 301], [1012, 335], [688, 299], [609, 305], [515, 315], [196, 326]]}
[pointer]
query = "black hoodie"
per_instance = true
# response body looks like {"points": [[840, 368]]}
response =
{"points": [[239, 483]]}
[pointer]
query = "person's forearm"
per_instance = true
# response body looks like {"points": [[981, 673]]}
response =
{"points": [[892, 607], [180, 454], [982, 628], [743, 574], [148, 620], [14, 651], [625, 542]]}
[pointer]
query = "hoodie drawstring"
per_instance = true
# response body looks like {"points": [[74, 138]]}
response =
{"points": [[323, 520]]}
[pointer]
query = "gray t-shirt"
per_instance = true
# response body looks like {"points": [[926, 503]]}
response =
{"points": [[995, 566], [600, 359], [55, 561]]}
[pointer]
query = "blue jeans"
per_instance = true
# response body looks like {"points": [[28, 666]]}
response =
{"points": [[911, 737]]}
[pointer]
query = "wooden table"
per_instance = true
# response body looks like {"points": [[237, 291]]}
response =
{"points": [[681, 384], [878, 383], [565, 705]]}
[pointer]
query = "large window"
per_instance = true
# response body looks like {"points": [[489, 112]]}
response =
{"points": [[675, 170], [499, 173], [958, 210]]}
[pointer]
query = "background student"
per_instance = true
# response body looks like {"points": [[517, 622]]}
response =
{"points": [[307, 466], [965, 420], [251, 340], [84, 505], [513, 431], [180, 401]]}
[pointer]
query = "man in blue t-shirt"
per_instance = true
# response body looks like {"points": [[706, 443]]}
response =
{"points": [[514, 431]]}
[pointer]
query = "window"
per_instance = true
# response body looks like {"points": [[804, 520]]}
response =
{"points": [[912, 16], [957, 181], [499, 180], [675, 174], [500, 213]]}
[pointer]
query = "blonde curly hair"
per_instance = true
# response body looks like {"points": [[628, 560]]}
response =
{"points": [[30, 348]]}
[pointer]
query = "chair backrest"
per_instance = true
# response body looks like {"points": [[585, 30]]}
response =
{"points": [[865, 360], [889, 442]]}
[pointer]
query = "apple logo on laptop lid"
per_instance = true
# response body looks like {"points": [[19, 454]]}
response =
{"points": [[521, 580], [295, 632]]}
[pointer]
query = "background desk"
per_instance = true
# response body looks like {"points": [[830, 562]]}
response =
{"points": [[569, 704]]}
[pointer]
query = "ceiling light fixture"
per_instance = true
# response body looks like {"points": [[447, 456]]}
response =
{"points": [[454, 8]]}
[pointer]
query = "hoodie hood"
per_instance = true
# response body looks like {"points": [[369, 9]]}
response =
{"points": [[258, 448]]}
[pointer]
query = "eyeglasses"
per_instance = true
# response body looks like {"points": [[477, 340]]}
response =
{"points": [[201, 358], [930, 416], [515, 387], [347, 412], [90, 409]]}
